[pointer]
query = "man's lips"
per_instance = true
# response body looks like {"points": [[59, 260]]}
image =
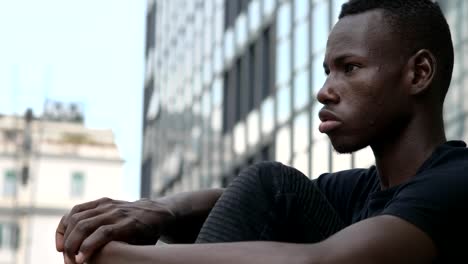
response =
{"points": [[329, 121]]}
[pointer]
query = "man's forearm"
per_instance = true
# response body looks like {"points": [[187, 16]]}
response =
{"points": [[226, 253], [190, 210]]}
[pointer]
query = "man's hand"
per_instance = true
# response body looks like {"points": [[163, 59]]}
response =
{"points": [[91, 225]]}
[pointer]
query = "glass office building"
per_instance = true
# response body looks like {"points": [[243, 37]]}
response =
{"points": [[233, 82]]}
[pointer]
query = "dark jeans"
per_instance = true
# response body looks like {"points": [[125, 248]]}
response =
{"points": [[271, 202]]}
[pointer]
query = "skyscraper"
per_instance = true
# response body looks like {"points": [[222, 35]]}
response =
{"points": [[233, 82]]}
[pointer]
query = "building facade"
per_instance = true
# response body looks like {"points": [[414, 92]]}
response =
{"points": [[233, 82], [46, 167]]}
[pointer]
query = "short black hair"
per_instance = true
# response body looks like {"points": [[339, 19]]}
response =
{"points": [[421, 25]]}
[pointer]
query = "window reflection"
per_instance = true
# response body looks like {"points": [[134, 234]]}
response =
{"points": [[196, 133], [207, 71], [196, 178], [217, 59], [301, 89], [253, 129], [196, 108], [456, 70], [320, 158], [364, 158], [283, 24], [229, 45], [218, 26], [227, 148], [216, 120], [268, 121], [241, 30], [318, 73], [284, 103], [301, 9], [254, 15], [268, 7], [217, 92], [463, 21], [341, 161], [465, 100], [239, 138], [197, 83], [283, 145], [206, 104], [208, 38], [464, 57], [316, 122], [301, 132], [283, 61], [301, 44], [320, 26], [452, 129], [301, 162]]}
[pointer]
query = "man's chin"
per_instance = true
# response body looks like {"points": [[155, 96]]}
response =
{"points": [[347, 146]]}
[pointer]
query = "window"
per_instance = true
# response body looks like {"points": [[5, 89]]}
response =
{"points": [[283, 23], [9, 235], [316, 122], [217, 92], [301, 9], [254, 15], [320, 26], [320, 159], [241, 30], [251, 78], [283, 145], [229, 101], [318, 73], [301, 90], [301, 44], [77, 185], [283, 61], [284, 103], [265, 65], [301, 162], [268, 114], [9, 184], [268, 7], [238, 100], [301, 133]]}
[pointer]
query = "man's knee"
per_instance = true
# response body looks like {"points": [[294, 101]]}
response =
{"points": [[261, 172], [274, 171]]}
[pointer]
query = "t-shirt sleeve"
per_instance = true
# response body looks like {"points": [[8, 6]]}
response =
{"points": [[435, 202]]}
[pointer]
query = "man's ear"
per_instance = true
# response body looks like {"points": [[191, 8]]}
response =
{"points": [[422, 67]]}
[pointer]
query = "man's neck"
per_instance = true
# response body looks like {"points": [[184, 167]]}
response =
{"points": [[397, 161]]}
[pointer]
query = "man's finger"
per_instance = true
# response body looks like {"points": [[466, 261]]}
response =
{"points": [[59, 233], [77, 218], [91, 223], [62, 226], [98, 239], [89, 205], [67, 260], [59, 241]]}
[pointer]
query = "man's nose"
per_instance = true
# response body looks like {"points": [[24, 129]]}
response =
{"points": [[327, 94]]}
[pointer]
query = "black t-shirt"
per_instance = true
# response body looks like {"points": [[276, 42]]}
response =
{"points": [[435, 199]]}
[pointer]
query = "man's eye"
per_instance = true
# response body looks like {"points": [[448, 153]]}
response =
{"points": [[349, 68]]}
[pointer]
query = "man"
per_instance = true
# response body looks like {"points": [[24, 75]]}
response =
{"points": [[388, 66]]}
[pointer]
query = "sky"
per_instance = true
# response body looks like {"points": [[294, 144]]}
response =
{"points": [[86, 51]]}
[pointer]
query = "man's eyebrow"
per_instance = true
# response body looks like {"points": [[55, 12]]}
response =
{"points": [[339, 59]]}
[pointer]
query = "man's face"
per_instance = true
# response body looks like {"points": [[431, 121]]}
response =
{"points": [[365, 101]]}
